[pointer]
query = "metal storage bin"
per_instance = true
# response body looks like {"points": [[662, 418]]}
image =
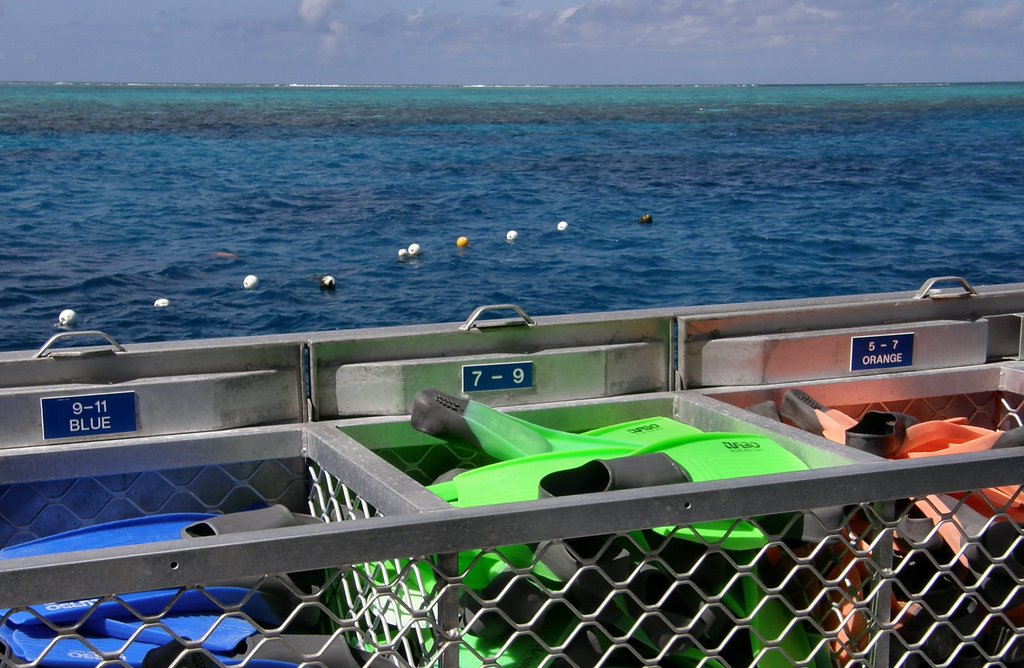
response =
{"points": [[846, 574], [956, 556], [82, 581]]}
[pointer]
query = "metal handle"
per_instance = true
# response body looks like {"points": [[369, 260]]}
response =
{"points": [[480, 310], [928, 289], [46, 352]]}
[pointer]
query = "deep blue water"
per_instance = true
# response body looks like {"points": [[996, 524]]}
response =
{"points": [[114, 196]]}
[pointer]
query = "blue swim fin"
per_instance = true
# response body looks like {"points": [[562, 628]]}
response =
{"points": [[36, 643], [119, 533], [112, 627], [269, 604], [158, 528], [217, 634], [151, 603], [40, 645]]}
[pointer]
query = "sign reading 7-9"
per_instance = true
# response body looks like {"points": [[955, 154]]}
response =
{"points": [[492, 377]]}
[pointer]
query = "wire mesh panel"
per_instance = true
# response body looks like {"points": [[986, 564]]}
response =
{"points": [[331, 500], [665, 597], [31, 510], [271, 621], [929, 579], [379, 597], [912, 583], [955, 572], [992, 409], [430, 462], [956, 581]]}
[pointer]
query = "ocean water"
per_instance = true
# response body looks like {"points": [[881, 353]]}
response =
{"points": [[114, 196]]}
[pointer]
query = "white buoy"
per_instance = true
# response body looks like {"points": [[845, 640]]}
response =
{"points": [[327, 283], [511, 236], [163, 302], [251, 282], [67, 317], [562, 226], [403, 254], [414, 250]]}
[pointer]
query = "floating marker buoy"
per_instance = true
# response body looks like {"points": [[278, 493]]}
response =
{"points": [[646, 219], [67, 317], [562, 226], [403, 254], [327, 283], [250, 282], [511, 236], [414, 250], [163, 302], [462, 242]]}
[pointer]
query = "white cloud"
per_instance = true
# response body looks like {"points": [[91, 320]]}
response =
{"points": [[1009, 15], [331, 40], [563, 16], [313, 12], [779, 40], [701, 25]]}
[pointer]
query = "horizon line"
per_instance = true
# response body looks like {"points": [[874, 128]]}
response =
{"points": [[268, 84]]}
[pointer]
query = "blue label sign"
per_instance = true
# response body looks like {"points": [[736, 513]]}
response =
{"points": [[881, 351], [491, 377], [89, 415]]}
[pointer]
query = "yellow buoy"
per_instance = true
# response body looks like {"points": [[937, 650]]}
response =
{"points": [[462, 242]]}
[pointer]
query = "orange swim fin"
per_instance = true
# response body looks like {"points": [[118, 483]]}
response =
{"points": [[946, 437], [802, 410]]}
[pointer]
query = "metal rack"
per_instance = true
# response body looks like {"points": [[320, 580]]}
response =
{"points": [[844, 572]]}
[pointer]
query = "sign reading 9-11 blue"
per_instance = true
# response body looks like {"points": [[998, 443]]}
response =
{"points": [[495, 377], [89, 415]]}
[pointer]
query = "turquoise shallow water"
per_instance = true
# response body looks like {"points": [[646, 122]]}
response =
{"points": [[114, 196]]}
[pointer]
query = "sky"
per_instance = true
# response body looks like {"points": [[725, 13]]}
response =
{"points": [[512, 42]]}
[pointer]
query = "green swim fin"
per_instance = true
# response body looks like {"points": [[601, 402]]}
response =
{"points": [[505, 436], [538, 461]]}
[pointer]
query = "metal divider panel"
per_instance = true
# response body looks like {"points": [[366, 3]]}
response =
{"points": [[997, 305], [565, 358], [150, 390], [388, 388], [150, 407], [1004, 336], [834, 353]]}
